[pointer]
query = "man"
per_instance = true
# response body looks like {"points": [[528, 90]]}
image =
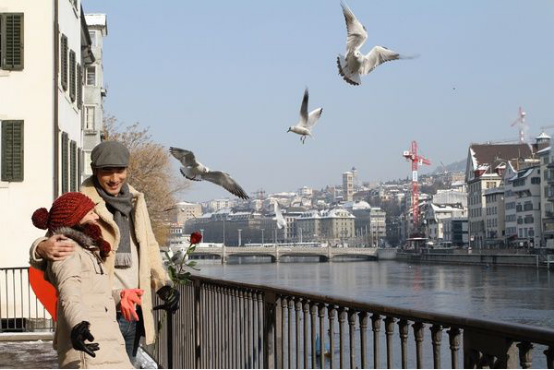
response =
{"points": [[136, 262]]}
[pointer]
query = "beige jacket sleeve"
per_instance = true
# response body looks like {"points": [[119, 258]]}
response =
{"points": [[34, 260], [66, 275]]}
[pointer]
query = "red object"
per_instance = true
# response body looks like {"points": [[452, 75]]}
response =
{"points": [[195, 237], [67, 210], [45, 292], [415, 159]]}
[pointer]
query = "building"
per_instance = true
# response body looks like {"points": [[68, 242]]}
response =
{"points": [[93, 109], [45, 47], [184, 211], [495, 222], [523, 214], [486, 164], [347, 186]]}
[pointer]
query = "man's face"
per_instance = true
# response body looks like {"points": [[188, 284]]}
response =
{"points": [[111, 179]]}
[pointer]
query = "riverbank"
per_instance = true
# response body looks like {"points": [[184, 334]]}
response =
{"points": [[482, 257]]}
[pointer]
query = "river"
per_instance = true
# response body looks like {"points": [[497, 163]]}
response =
{"points": [[513, 294]]}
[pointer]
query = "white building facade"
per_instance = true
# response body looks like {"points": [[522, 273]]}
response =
{"points": [[44, 51]]}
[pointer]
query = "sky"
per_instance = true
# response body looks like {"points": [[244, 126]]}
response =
{"points": [[225, 79]]}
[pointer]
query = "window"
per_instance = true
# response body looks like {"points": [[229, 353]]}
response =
{"points": [[73, 166], [89, 117], [63, 62], [72, 77], [65, 163], [12, 151], [535, 180], [91, 76], [11, 41], [79, 86]]}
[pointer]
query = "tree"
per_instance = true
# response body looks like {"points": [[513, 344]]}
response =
{"points": [[150, 172]]}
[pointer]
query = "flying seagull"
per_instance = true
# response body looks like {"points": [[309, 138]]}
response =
{"points": [[307, 121], [279, 215], [354, 63], [196, 171]]}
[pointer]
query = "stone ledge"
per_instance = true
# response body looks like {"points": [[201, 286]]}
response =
{"points": [[28, 336]]}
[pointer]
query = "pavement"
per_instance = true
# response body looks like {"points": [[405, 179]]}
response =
{"points": [[24, 351]]}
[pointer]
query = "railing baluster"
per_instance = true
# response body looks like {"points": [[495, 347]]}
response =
{"points": [[454, 337], [250, 327], [525, 354], [278, 327], [436, 338], [284, 307], [332, 314], [352, 316], [418, 334], [549, 353], [364, 318], [322, 336], [313, 326], [376, 327], [298, 307], [342, 329], [306, 308], [289, 312], [389, 332]]}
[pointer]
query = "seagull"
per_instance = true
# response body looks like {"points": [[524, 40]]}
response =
{"points": [[196, 171], [355, 63], [279, 215], [307, 121]]}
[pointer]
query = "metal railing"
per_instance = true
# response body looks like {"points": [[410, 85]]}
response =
{"points": [[225, 324], [20, 310]]}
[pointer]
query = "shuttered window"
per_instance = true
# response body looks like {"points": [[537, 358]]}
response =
{"points": [[11, 41], [73, 166], [72, 77], [12, 151], [65, 163], [79, 86], [63, 62]]}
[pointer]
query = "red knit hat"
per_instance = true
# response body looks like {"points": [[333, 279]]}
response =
{"points": [[66, 211]]}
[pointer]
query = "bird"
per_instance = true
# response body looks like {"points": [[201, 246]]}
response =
{"points": [[354, 63], [307, 121], [196, 171], [281, 222]]}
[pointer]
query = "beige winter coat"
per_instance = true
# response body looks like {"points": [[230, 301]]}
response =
{"points": [[85, 294], [152, 274]]}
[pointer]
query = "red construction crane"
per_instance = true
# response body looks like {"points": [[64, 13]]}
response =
{"points": [[416, 160]]}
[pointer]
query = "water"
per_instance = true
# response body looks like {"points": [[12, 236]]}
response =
{"points": [[513, 294]]}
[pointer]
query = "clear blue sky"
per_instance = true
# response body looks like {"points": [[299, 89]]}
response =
{"points": [[225, 79]]}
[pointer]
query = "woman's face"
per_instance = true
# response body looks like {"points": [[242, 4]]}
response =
{"points": [[90, 218], [111, 179]]}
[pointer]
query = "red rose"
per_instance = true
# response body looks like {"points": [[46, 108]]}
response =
{"points": [[195, 237]]}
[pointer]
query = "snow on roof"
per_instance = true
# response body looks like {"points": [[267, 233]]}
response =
{"points": [[96, 19]]}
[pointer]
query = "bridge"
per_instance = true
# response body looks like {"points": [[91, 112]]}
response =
{"points": [[276, 252]]}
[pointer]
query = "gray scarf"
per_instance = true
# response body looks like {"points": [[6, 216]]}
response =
{"points": [[120, 206]]}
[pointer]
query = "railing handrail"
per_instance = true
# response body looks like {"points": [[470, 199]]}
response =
{"points": [[526, 332]]}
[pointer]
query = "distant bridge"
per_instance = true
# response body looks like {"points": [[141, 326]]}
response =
{"points": [[325, 254]]}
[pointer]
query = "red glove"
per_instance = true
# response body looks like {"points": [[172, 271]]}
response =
{"points": [[130, 297]]}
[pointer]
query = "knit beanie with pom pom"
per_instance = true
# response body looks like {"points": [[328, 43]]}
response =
{"points": [[66, 211]]}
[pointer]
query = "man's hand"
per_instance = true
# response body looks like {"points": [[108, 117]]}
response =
{"points": [[171, 298], [129, 298], [79, 334], [55, 248]]}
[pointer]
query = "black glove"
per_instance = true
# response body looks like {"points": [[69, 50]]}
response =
{"points": [[171, 298], [79, 334]]}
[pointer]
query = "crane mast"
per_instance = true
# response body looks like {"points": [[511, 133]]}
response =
{"points": [[417, 160]]}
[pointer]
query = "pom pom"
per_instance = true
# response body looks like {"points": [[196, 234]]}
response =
{"points": [[40, 218]]}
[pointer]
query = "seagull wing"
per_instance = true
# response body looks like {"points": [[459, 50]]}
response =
{"points": [[279, 215], [304, 109], [356, 32], [186, 157], [225, 181], [378, 55], [314, 117]]}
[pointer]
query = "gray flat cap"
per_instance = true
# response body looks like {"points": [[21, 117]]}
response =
{"points": [[109, 154]]}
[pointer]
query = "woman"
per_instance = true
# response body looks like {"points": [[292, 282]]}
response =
{"points": [[86, 308]]}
